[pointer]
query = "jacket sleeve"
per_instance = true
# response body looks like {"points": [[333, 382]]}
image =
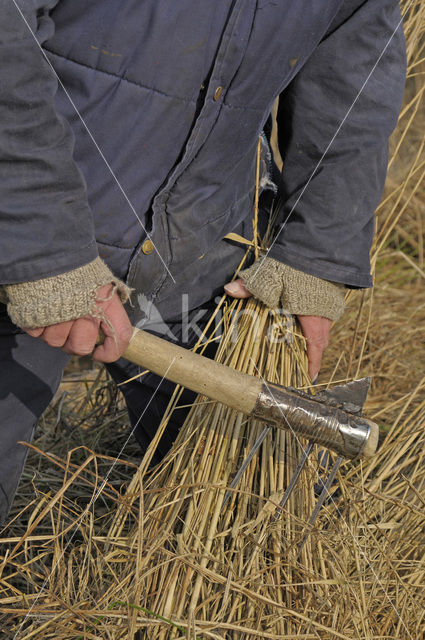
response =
{"points": [[334, 121], [46, 224]]}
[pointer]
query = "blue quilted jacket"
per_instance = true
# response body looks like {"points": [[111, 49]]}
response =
{"points": [[139, 118]]}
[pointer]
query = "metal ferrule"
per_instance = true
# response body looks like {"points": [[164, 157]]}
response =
{"points": [[332, 427]]}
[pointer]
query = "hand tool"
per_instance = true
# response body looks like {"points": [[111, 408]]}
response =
{"points": [[351, 397], [322, 497], [328, 418], [244, 465]]}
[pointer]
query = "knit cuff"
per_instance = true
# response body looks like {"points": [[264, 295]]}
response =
{"points": [[67, 296], [276, 284]]}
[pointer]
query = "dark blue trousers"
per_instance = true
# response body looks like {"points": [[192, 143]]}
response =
{"points": [[30, 373]]}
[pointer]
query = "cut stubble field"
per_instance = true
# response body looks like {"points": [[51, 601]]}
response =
{"points": [[106, 548]]}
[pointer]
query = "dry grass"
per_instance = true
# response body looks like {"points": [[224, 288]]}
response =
{"points": [[89, 559]]}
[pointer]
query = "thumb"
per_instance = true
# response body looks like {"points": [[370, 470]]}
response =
{"points": [[237, 289]]}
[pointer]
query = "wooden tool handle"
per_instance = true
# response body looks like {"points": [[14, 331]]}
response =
{"points": [[329, 426], [192, 370]]}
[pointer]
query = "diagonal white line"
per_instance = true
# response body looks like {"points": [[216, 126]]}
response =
{"points": [[92, 501], [83, 122], [281, 228], [305, 186], [341, 124], [336, 506]]}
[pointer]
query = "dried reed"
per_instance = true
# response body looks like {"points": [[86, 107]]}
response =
{"points": [[160, 560]]}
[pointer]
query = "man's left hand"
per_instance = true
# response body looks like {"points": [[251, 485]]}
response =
{"points": [[316, 330]]}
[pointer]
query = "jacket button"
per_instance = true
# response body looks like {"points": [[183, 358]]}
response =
{"points": [[217, 93], [147, 247]]}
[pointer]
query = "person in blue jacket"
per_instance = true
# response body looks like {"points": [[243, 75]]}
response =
{"points": [[128, 142]]}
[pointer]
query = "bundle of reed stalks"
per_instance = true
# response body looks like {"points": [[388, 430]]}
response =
{"points": [[92, 556]]}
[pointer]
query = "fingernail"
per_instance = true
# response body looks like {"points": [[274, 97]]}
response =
{"points": [[231, 287]]}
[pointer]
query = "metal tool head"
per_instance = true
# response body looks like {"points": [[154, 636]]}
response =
{"points": [[331, 418], [349, 397]]}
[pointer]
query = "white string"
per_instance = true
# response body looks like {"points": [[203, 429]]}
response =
{"points": [[92, 501], [111, 171], [334, 503], [332, 140]]}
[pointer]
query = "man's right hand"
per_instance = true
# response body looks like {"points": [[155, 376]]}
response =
{"points": [[78, 337]]}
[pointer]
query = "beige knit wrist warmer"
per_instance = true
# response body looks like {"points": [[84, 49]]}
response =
{"points": [[60, 298], [278, 285]]}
